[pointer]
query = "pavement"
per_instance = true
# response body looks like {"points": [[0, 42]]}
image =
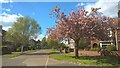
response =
{"points": [[39, 58]]}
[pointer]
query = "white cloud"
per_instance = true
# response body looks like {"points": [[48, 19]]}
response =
{"points": [[8, 19], [40, 37], [6, 28], [80, 4], [108, 8], [6, 9], [4, 17], [6, 1]]}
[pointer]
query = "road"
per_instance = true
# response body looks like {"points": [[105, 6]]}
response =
{"points": [[39, 58]]}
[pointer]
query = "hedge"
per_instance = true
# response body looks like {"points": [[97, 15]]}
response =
{"points": [[6, 50]]}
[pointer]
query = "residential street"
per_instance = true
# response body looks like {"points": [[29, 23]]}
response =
{"points": [[39, 58]]}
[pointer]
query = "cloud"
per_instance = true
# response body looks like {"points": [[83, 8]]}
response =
{"points": [[6, 1], [40, 37], [108, 8], [6, 9], [80, 4], [8, 19], [6, 28]]}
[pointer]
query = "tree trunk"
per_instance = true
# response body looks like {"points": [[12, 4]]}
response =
{"points": [[76, 48], [76, 51], [22, 48]]}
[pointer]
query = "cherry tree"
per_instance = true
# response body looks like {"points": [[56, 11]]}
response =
{"points": [[80, 25]]}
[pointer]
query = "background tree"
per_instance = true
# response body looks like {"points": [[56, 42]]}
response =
{"points": [[22, 31], [44, 43], [80, 25], [54, 44], [32, 44], [82, 44]]}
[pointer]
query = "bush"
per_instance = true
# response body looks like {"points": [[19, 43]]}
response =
{"points": [[31, 47], [82, 44], [6, 50], [104, 52], [111, 48], [18, 49], [94, 49]]}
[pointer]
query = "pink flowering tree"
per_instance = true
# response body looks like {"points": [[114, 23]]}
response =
{"points": [[79, 25]]}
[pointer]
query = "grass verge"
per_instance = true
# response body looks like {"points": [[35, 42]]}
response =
{"points": [[54, 51], [88, 60], [11, 55], [15, 54]]}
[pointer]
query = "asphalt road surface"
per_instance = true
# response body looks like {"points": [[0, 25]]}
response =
{"points": [[39, 58]]}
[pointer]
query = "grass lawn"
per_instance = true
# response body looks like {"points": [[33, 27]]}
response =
{"points": [[15, 54], [88, 60], [54, 51], [11, 55]]}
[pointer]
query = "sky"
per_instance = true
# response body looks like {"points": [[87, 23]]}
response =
{"points": [[40, 11]]}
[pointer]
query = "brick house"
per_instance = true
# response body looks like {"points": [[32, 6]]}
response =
{"points": [[94, 43]]}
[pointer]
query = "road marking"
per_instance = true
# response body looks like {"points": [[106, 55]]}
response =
{"points": [[46, 62]]}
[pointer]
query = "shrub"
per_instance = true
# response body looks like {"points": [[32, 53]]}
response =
{"points": [[31, 47], [111, 48], [104, 52], [18, 49], [82, 44], [94, 49], [6, 50]]}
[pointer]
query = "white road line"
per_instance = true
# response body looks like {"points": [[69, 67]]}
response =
{"points": [[46, 62]]}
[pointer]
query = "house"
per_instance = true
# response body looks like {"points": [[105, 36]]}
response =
{"points": [[96, 42], [71, 44], [105, 43]]}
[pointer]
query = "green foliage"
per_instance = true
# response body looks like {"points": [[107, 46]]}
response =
{"points": [[31, 47], [88, 60], [94, 49], [54, 52], [31, 44], [111, 48], [6, 50], [44, 43], [61, 45], [12, 55], [3, 46], [18, 49], [82, 44], [22, 30], [54, 44]]}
